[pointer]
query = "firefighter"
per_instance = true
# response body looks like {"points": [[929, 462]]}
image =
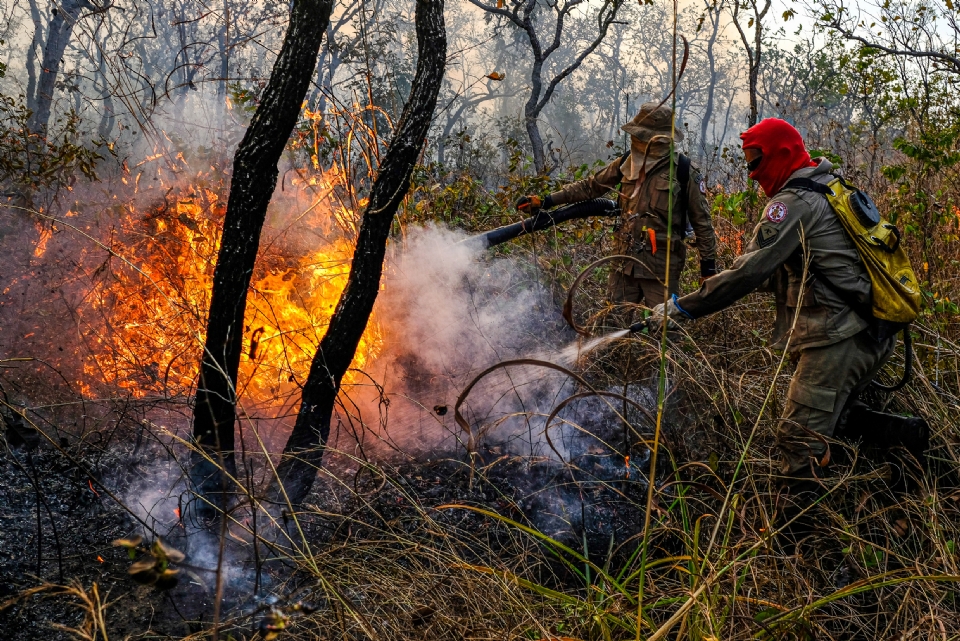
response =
{"points": [[643, 177], [839, 350]]}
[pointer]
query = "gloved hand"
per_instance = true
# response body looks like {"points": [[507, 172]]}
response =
{"points": [[669, 313], [532, 204], [529, 204]]}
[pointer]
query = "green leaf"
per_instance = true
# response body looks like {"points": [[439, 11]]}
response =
{"points": [[764, 614]]}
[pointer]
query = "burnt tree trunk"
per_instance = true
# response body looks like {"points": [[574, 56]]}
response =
{"points": [[304, 449], [254, 178], [58, 35], [30, 63]]}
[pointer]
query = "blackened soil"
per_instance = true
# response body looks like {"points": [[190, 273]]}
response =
{"points": [[57, 525]]}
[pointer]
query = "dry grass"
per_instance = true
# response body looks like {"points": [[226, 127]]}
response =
{"points": [[378, 555]]}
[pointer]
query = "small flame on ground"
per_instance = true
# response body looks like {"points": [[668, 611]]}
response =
{"points": [[626, 464], [100, 558], [92, 489], [176, 512], [45, 235]]}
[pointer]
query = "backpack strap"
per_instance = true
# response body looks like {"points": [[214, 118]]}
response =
{"points": [[879, 329], [683, 176], [863, 311], [808, 184]]}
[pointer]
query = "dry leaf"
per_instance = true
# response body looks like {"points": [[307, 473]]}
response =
{"points": [[132, 542], [167, 552], [144, 571], [167, 579], [901, 527], [496, 75]]}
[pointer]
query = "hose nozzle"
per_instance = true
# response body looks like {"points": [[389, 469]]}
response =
{"points": [[639, 326]]}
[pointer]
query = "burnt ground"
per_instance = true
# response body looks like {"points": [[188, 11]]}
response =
{"points": [[381, 532], [58, 522]]}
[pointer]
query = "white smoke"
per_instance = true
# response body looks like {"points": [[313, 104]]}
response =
{"points": [[448, 311]]}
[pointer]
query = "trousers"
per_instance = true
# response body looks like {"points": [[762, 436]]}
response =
{"points": [[826, 380], [624, 288]]}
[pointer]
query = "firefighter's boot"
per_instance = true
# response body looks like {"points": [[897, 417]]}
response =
{"points": [[888, 431]]}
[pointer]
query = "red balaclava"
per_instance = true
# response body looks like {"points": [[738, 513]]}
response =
{"points": [[783, 153]]}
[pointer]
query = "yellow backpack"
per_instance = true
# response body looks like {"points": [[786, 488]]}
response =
{"points": [[896, 292]]}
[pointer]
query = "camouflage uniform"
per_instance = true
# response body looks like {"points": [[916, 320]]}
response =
{"points": [[645, 208], [837, 355]]}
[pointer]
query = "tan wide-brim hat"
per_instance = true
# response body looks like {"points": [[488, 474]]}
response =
{"points": [[652, 121]]}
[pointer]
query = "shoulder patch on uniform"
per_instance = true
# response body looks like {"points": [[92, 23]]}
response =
{"points": [[776, 211], [766, 235], [703, 186]]}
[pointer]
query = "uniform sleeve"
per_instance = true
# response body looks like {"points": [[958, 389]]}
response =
{"points": [[592, 187], [775, 238], [699, 215]]}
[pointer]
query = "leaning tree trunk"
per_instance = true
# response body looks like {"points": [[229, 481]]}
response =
{"points": [[254, 178], [304, 449], [754, 82], [530, 114], [30, 64], [61, 26]]}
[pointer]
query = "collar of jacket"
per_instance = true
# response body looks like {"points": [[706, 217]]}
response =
{"points": [[822, 168]]}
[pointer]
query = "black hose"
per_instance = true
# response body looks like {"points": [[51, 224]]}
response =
{"points": [[544, 219], [907, 366]]}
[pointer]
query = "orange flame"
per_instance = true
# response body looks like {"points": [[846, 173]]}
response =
{"points": [[145, 322], [45, 234]]}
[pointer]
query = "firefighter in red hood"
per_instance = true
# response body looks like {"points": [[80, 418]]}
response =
{"points": [[839, 350]]}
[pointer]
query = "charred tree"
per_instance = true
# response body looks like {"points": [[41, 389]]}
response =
{"points": [[65, 16], [753, 49], [30, 64], [254, 178], [304, 449], [525, 15]]}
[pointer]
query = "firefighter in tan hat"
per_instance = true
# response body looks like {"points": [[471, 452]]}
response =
{"points": [[641, 177]]}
